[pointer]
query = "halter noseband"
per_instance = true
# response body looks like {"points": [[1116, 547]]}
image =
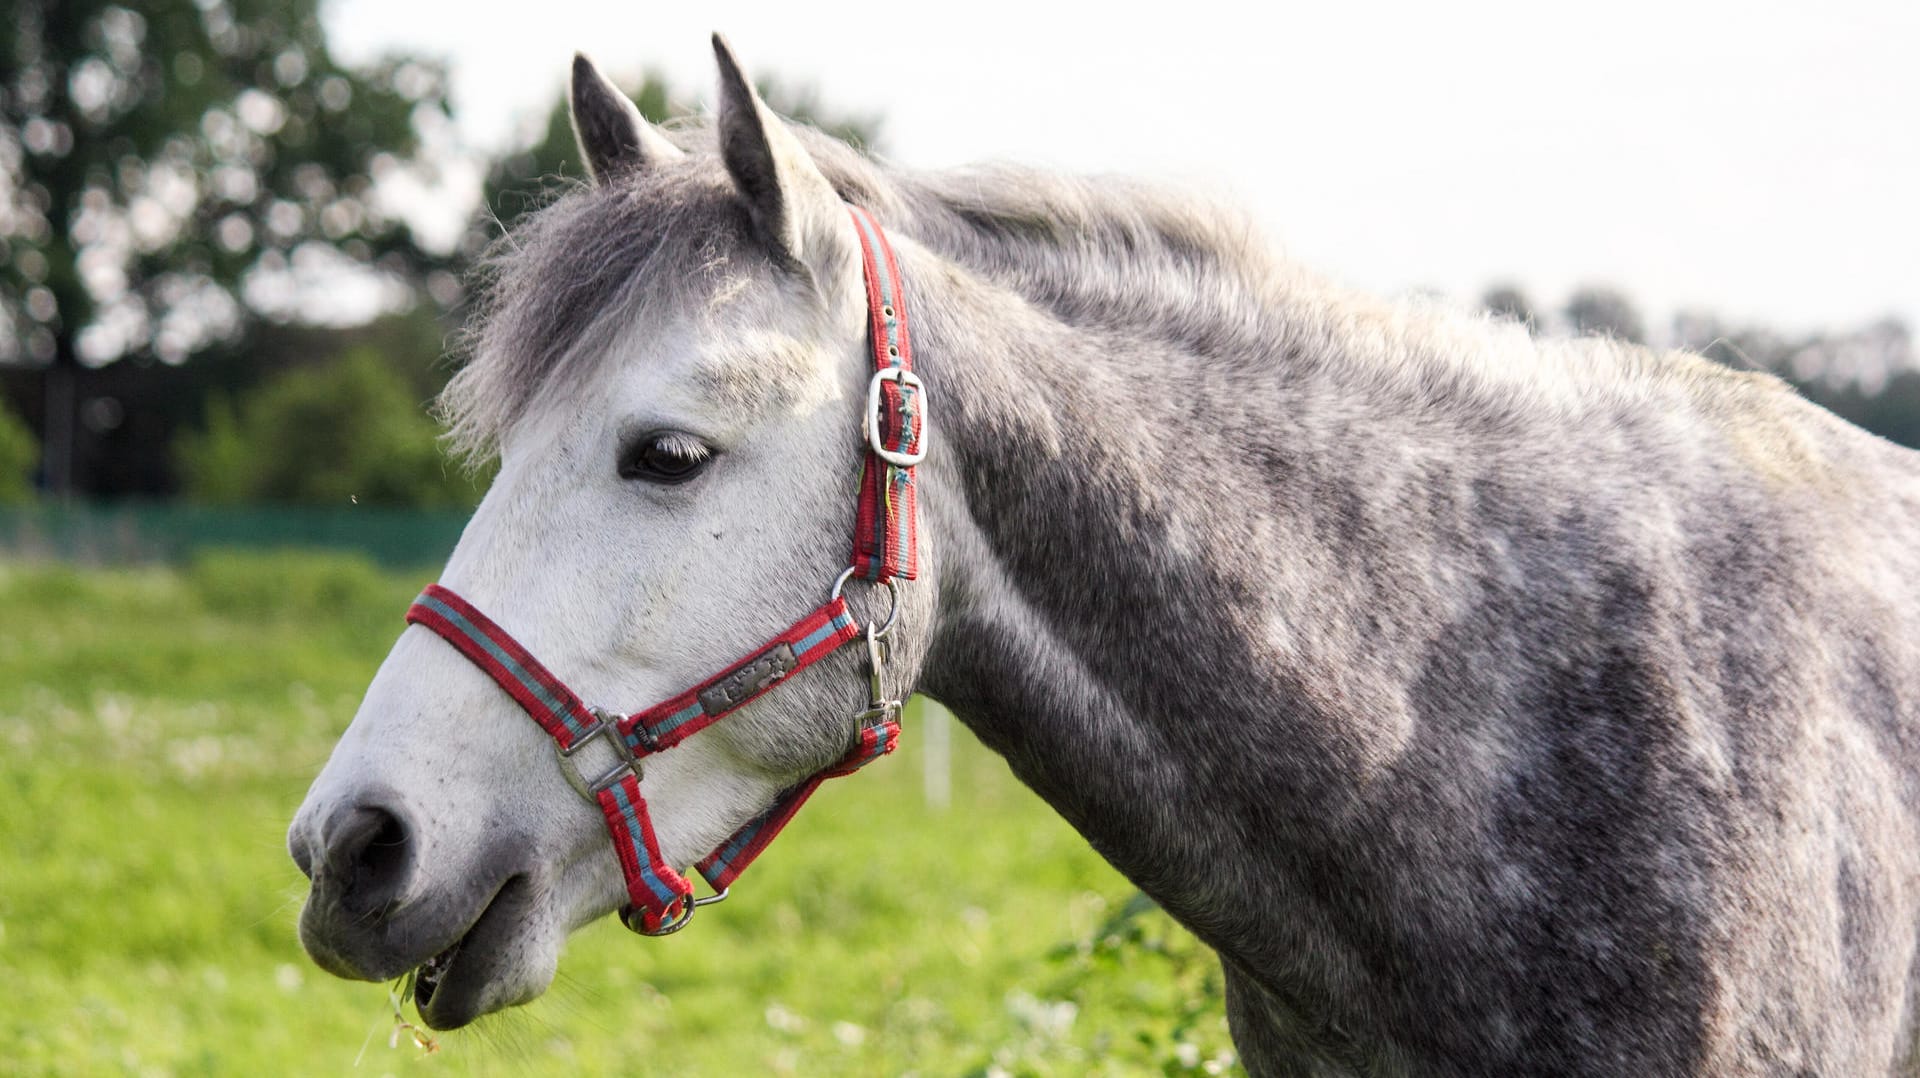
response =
{"points": [[894, 427]]}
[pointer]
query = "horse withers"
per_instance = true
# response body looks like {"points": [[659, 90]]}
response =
{"points": [[1491, 705]]}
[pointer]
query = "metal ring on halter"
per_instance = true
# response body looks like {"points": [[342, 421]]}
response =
{"points": [[893, 596], [631, 918]]}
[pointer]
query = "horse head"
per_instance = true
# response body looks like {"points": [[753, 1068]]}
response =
{"points": [[672, 370]]}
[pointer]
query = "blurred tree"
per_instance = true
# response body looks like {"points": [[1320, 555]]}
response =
{"points": [[1596, 309], [1747, 348], [1509, 302], [1865, 357], [168, 168], [1698, 331], [1892, 411], [529, 177], [17, 455], [347, 432], [1869, 375]]}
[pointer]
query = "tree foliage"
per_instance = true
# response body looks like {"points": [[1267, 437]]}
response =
{"points": [[1868, 375], [161, 163], [1595, 310], [340, 433], [1509, 302]]}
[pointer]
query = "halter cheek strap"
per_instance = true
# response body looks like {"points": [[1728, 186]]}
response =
{"points": [[894, 427]]}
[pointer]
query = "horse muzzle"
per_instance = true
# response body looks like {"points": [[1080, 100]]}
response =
{"points": [[375, 913], [361, 919]]}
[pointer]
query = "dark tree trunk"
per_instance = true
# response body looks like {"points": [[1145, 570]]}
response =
{"points": [[60, 433]]}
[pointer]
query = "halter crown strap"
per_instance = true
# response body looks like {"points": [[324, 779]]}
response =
{"points": [[894, 426], [884, 533]]}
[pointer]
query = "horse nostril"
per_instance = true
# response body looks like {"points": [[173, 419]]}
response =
{"points": [[301, 849], [367, 854]]}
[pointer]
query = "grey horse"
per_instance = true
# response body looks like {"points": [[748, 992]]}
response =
{"points": [[1492, 705]]}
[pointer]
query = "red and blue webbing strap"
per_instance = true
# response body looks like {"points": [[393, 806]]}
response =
{"points": [[546, 700], [724, 865], [884, 540], [653, 887], [804, 643]]}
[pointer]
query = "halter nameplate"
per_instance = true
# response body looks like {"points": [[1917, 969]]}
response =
{"points": [[756, 677], [894, 428]]}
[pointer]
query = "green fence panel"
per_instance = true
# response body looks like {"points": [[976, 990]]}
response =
{"points": [[121, 533]]}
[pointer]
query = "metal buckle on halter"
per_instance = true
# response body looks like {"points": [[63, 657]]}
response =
{"points": [[631, 917], [608, 725], [906, 379]]}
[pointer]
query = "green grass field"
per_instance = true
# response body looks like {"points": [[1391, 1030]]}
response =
{"points": [[158, 728]]}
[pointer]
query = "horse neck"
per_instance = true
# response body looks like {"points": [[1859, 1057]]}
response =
{"points": [[1345, 653], [1157, 569]]}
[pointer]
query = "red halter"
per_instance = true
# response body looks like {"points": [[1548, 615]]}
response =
{"points": [[894, 426]]}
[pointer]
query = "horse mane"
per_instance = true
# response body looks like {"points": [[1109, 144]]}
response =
{"points": [[1103, 254]]}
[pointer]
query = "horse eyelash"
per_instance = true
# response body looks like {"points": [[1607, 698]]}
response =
{"points": [[684, 445]]}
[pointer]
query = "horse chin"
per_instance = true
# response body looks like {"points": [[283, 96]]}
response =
{"points": [[503, 960]]}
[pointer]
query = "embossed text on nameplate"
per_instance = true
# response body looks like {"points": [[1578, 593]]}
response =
{"points": [[734, 689]]}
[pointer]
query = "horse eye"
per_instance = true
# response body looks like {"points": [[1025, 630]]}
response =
{"points": [[665, 457]]}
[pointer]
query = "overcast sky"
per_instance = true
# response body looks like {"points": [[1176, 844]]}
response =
{"points": [[1758, 160]]}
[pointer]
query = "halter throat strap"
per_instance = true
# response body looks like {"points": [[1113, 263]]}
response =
{"points": [[894, 429]]}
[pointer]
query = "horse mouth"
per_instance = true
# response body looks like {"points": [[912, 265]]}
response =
{"points": [[426, 979], [457, 985]]}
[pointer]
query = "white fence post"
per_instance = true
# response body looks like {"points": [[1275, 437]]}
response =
{"points": [[936, 765]]}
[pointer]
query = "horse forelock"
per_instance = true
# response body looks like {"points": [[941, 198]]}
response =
{"points": [[552, 292]]}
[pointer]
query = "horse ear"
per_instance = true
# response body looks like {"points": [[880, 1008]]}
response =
{"points": [[795, 209], [613, 136]]}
